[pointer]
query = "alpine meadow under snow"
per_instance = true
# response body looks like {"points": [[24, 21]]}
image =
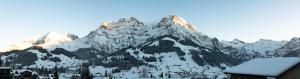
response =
{"points": [[130, 49]]}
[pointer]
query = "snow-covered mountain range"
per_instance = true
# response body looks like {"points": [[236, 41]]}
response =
{"points": [[260, 48], [169, 45]]}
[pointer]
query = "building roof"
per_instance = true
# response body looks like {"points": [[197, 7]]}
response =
{"points": [[265, 66], [4, 67]]}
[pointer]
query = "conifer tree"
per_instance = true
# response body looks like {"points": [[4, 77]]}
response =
{"points": [[56, 73]]}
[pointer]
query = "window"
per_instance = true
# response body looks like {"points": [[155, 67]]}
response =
{"points": [[271, 78]]}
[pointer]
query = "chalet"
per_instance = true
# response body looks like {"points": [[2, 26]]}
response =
{"points": [[5, 73], [266, 68], [26, 75]]}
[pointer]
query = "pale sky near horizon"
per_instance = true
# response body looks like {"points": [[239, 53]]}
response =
{"points": [[247, 20]]}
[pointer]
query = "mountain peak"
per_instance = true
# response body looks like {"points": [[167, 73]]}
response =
{"points": [[51, 34], [237, 41], [105, 25], [54, 38], [295, 39], [127, 21], [174, 19]]}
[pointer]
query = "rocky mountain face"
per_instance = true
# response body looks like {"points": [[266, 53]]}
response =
{"points": [[113, 36], [169, 45], [291, 48]]}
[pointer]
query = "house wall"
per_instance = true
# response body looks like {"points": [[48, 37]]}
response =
{"points": [[4, 73], [241, 76], [293, 73]]}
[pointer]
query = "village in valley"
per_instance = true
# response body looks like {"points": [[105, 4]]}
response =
{"points": [[260, 68], [10, 70]]}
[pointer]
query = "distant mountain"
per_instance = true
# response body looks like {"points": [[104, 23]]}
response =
{"points": [[170, 45], [46, 41], [242, 50], [291, 48]]}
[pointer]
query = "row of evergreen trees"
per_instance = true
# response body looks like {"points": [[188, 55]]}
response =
{"points": [[83, 70], [44, 71]]}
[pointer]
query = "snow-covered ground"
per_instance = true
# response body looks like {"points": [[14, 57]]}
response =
{"points": [[65, 61], [265, 66]]}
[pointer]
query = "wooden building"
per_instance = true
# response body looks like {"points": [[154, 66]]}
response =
{"points": [[5, 73], [26, 75], [266, 68]]}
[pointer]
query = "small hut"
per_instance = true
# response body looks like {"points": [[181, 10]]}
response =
{"points": [[5, 73]]}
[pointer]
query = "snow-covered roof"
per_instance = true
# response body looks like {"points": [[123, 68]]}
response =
{"points": [[4, 67], [265, 66]]}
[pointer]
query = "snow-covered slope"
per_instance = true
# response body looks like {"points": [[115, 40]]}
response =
{"points": [[292, 45], [170, 55], [264, 47], [49, 41], [184, 23], [265, 66], [236, 43], [52, 39]]}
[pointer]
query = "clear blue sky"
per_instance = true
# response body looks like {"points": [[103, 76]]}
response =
{"points": [[248, 20]]}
